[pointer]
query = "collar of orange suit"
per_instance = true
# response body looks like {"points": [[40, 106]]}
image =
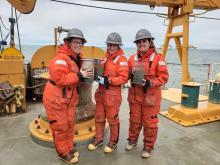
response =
{"points": [[146, 55], [65, 49], [119, 52]]}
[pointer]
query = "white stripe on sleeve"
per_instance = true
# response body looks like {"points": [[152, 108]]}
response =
{"points": [[162, 63], [123, 64], [60, 62]]}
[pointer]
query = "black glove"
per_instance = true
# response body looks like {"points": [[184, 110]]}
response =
{"points": [[146, 86], [80, 76], [106, 83], [131, 76]]}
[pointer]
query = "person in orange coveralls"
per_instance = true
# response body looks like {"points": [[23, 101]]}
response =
{"points": [[108, 95], [144, 97], [60, 95]]}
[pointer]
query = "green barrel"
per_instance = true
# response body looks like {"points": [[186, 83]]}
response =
{"points": [[190, 94], [214, 92]]}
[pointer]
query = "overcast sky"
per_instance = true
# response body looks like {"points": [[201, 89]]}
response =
{"points": [[96, 24]]}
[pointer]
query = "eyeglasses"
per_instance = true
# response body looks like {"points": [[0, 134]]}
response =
{"points": [[141, 41], [77, 43]]}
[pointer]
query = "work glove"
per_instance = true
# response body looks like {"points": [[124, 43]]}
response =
{"points": [[103, 81], [146, 85]]}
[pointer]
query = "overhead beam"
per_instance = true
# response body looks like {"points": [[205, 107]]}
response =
{"points": [[198, 4]]}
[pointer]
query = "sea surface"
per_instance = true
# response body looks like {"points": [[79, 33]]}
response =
{"points": [[199, 61]]}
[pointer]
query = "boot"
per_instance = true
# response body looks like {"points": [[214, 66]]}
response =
{"points": [[110, 148], [70, 159], [145, 153], [130, 146], [95, 145], [74, 152]]}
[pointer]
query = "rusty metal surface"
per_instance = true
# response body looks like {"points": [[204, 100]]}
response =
{"points": [[98, 69], [88, 64], [85, 108]]}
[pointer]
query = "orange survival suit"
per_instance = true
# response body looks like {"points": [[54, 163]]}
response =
{"points": [[60, 97], [145, 105], [108, 99]]}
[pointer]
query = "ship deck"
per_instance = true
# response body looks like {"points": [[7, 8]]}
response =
{"points": [[198, 145]]}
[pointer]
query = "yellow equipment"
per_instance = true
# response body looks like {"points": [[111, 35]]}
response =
{"points": [[41, 131], [205, 113], [12, 70], [196, 4], [23, 6]]}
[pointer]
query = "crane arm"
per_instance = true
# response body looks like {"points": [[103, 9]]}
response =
{"points": [[198, 4]]}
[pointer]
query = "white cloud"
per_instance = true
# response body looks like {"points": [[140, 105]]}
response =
{"points": [[96, 24]]}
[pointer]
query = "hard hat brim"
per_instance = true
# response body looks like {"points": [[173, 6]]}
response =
{"points": [[120, 44], [84, 40], [142, 39]]}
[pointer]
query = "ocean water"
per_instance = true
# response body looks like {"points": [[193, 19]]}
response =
{"points": [[198, 60]]}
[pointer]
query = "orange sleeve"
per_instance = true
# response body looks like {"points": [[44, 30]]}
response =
{"points": [[162, 74], [59, 73], [122, 72]]}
